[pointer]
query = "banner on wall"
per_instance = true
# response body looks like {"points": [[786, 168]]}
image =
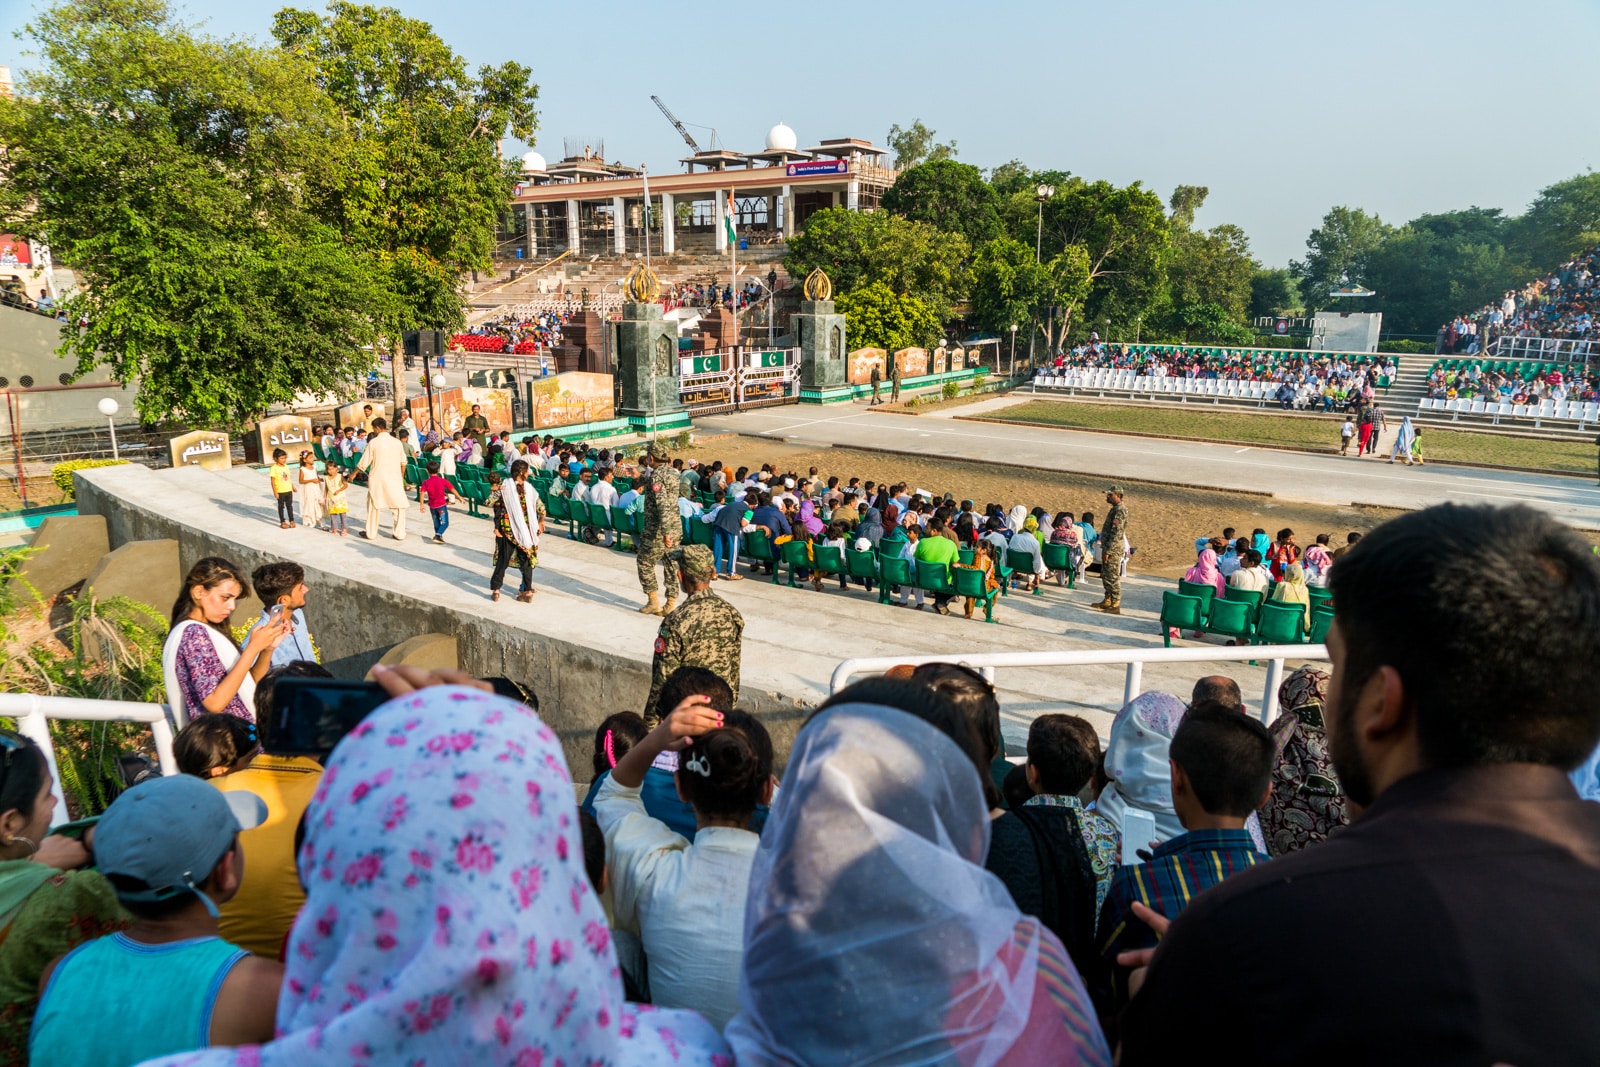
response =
{"points": [[361, 413], [292, 433], [493, 404], [446, 407], [571, 399], [201, 448], [861, 362], [913, 362]]}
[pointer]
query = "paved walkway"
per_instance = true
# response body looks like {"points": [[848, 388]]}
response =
{"points": [[1303, 477]]}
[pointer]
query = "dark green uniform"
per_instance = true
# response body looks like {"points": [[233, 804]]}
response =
{"points": [[659, 521], [703, 631], [1111, 535]]}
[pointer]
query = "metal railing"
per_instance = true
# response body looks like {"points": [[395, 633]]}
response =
{"points": [[34, 712], [1542, 348], [1133, 658]]}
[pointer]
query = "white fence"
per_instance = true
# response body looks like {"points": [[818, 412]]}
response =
{"points": [[34, 712], [1104, 380], [1134, 658], [1543, 348], [1575, 411]]}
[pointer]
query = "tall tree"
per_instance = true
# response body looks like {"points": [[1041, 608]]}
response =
{"points": [[1336, 252], [1186, 201], [174, 173], [1273, 291], [1563, 219], [1212, 267], [1008, 286], [878, 317], [422, 183], [915, 144], [1437, 266], [860, 248], [949, 195]]}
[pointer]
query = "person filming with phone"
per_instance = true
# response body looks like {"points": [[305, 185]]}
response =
{"points": [[204, 668]]}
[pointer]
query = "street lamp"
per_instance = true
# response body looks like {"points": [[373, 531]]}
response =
{"points": [[432, 381], [1041, 194], [1013, 368], [108, 407], [1137, 322]]}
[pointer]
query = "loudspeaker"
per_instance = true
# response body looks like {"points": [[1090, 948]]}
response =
{"points": [[429, 344]]}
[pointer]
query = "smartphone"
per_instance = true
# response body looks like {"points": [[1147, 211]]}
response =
{"points": [[275, 612], [311, 715], [1138, 830]]}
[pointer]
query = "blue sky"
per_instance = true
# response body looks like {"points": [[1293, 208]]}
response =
{"points": [[1282, 109]]}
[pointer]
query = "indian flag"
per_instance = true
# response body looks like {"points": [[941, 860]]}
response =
{"points": [[727, 221]]}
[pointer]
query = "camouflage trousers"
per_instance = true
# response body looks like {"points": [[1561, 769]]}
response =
{"points": [[653, 553], [1111, 578]]}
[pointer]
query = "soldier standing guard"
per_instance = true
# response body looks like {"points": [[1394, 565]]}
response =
{"points": [[1112, 535], [705, 631], [659, 530]]}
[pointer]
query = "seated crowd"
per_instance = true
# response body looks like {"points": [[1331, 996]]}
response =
{"points": [[1513, 382], [1560, 304], [524, 334], [1417, 824]]}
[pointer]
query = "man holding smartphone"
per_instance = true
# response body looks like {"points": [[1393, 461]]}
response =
{"points": [[282, 589]]}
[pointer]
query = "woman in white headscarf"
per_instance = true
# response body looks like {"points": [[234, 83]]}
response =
{"points": [[873, 934], [1136, 763], [448, 919]]}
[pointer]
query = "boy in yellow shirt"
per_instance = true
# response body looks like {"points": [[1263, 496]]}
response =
{"points": [[282, 487]]}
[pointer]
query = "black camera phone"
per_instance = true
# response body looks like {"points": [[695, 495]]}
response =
{"points": [[311, 715]]}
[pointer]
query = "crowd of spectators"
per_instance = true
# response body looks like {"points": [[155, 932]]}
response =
{"points": [[1561, 304], [907, 893], [1511, 383], [525, 334]]}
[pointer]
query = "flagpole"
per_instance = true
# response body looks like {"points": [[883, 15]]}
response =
{"points": [[645, 174]]}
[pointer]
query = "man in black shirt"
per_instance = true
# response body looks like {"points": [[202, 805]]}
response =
{"points": [[1455, 921]]}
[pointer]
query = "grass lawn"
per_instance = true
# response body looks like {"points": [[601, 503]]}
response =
{"points": [[1316, 434]]}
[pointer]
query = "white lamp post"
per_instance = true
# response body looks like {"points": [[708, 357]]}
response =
{"points": [[1013, 368], [109, 407]]}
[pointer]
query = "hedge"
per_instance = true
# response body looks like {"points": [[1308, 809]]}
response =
{"points": [[61, 473]]}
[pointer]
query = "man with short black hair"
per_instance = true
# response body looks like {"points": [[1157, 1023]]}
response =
{"points": [[284, 583], [1221, 773], [1450, 921]]}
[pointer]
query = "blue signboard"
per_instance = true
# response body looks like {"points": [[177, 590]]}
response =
{"points": [[816, 167]]}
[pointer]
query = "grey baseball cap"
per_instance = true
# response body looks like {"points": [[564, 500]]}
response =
{"points": [[169, 833]]}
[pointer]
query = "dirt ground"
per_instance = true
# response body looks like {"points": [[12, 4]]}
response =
{"points": [[1163, 521]]}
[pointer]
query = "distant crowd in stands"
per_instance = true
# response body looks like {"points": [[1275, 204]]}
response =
{"points": [[1562, 304], [521, 334], [711, 295], [1412, 833], [1505, 383], [1305, 381]]}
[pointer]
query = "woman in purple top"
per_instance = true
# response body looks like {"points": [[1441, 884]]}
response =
{"points": [[204, 669]]}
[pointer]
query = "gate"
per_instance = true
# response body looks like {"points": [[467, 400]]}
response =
{"points": [[735, 379]]}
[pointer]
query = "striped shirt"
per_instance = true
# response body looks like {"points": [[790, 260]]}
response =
{"points": [[1178, 871]]}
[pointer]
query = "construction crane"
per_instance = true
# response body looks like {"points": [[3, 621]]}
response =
{"points": [[690, 141]]}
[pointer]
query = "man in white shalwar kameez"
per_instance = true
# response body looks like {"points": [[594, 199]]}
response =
{"points": [[385, 463]]}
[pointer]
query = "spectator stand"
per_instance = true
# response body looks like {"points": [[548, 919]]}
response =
{"points": [[1562, 398]]}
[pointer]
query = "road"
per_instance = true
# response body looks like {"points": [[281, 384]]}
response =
{"points": [[1322, 479]]}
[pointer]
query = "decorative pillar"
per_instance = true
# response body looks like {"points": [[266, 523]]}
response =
{"points": [[820, 331], [669, 220], [572, 227], [533, 237], [647, 359], [854, 196], [619, 225], [717, 229], [788, 211]]}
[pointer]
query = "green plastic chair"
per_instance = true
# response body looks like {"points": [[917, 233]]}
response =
{"points": [[966, 556], [893, 571], [1251, 597], [1281, 624], [968, 581], [627, 525], [1320, 597], [600, 517], [829, 561], [861, 565], [1321, 622], [1204, 590], [560, 510], [795, 555], [758, 549], [696, 532], [1021, 562], [1229, 618], [1059, 559], [1180, 612], [933, 577]]}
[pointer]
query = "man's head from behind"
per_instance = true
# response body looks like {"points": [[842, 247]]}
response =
{"points": [[688, 682], [1058, 762], [1221, 764], [1463, 636], [1218, 688]]}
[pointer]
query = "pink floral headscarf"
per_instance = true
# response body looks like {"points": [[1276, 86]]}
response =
{"points": [[448, 919]]}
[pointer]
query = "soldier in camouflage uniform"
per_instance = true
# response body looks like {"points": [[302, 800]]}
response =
{"points": [[660, 529], [705, 631], [1111, 536]]}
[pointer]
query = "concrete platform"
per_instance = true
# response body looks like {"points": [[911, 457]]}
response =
{"points": [[581, 645]]}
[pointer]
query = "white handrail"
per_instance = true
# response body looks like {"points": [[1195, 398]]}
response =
{"points": [[33, 712], [1135, 658]]}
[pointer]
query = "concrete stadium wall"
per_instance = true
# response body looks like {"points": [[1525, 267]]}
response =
{"points": [[28, 343], [569, 659]]}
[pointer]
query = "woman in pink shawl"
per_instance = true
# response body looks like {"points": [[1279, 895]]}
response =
{"points": [[448, 919], [808, 518], [1317, 562], [1205, 572]]}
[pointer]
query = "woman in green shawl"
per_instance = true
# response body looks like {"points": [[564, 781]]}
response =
{"points": [[47, 905]]}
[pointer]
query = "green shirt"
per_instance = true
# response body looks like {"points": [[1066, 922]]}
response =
{"points": [[936, 548]]}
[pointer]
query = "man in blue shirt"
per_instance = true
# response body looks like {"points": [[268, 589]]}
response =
{"points": [[284, 583], [1221, 772]]}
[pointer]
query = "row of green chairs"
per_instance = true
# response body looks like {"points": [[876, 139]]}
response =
{"points": [[1244, 615]]}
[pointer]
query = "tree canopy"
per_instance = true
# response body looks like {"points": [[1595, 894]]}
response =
{"points": [[915, 144], [860, 248], [948, 195], [878, 317]]}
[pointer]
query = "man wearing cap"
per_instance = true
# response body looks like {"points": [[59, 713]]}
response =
{"points": [[1112, 536], [168, 984], [660, 529], [704, 632]]}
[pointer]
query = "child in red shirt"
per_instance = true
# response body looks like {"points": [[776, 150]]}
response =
{"points": [[436, 496], [1283, 553]]}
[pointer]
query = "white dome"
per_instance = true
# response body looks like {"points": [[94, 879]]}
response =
{"points": [[532, 163], [781, 139]]}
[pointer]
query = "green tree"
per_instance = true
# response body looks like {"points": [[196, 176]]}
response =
{"points": [[878, 317], [1338, 251], [421, 181], [1564, 219], [1439, 265], [1273, 291], [1008, 286], [1186, 201], [1206, 322], [1124, 234], [1010, 177], [859, 248], [174, 173], [1212, 267], [948, 195], [915, 144]]}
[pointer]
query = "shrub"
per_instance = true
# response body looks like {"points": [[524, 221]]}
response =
{"points": [[951, 390], [1415, 348], [61, 473]]}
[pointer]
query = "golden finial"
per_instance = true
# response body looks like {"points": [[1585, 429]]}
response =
{"points": [[818, 286], [643, 286]]}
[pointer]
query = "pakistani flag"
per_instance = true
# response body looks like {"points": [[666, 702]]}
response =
{"points": [[727, 221]]}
